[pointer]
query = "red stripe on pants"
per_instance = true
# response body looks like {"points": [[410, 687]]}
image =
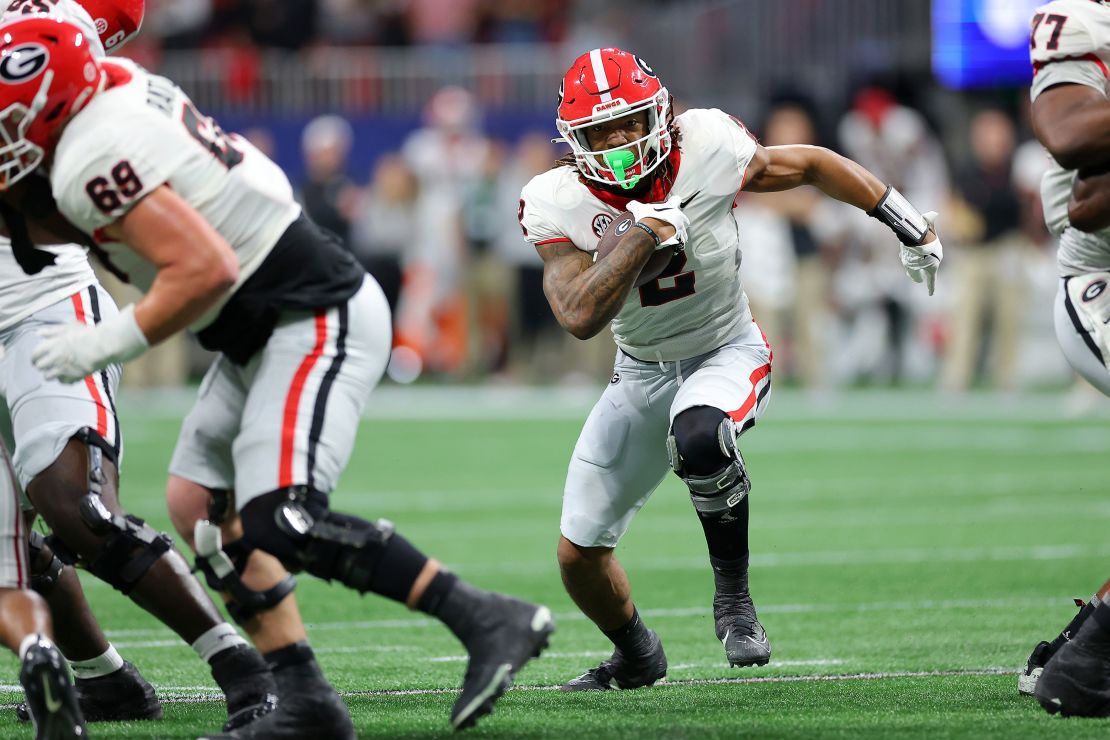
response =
{"points": [[757, 375], [90, 383], [293, 402]]}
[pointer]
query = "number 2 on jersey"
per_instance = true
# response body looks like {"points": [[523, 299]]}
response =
{"points": [[654, 294]]}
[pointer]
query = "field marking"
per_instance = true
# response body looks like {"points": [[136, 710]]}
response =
{"points": [[805, 607], [198, 694]]}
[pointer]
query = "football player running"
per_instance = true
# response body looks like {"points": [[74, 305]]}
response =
{"points": [[692, 369], [25, 626], [1070, 52], [207, 227], [64, 433]]}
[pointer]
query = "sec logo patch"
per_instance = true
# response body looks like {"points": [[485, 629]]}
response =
{"points": [[601, 223]]}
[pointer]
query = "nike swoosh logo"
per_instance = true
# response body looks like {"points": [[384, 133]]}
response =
{"points": [[686, 202], [52, 704], [724, 640]]}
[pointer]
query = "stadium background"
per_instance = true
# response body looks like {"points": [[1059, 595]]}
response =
{"points": [[928, 480]]}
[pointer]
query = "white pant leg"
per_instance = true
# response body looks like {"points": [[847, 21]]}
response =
{"points": [[306, 393], [1079, 347], [46, 414], [621, 454]]}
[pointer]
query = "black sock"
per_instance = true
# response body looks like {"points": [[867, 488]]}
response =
{"points": [[1073, 626], [298, 653], [633, 638], [727, 536], [730, 577], [452, 601]]}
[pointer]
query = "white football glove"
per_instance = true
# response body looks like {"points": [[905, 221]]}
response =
{"points": [[921, 261], [69, 352], [667, 211]]}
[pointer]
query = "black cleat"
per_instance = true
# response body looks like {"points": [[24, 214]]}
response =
{"points": [[734, 617], [505, 634], [621, 672], [247, 684], [1027, 679], [122, 696], [739, 630], [1076, 681], [51, 697], [308, 708]]}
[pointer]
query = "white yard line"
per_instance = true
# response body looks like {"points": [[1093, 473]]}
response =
{"points": [[806, 607], [193, 694]]}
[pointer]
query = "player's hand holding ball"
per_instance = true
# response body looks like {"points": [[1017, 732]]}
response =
{"points": [[666, 219]]}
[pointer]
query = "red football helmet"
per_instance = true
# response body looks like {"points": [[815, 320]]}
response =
{"points": [[47, 73], [605, 84], [116, 21]]}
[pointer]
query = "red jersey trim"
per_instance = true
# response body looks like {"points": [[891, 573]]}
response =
{"points": [[1088, 57]]}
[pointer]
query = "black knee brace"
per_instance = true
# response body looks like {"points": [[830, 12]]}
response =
{"points": [[130, 545], [45, 576], [702, 450], [222, 566], [295, 526]]}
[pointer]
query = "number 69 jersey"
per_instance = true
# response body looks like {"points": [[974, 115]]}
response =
{"points": [[143, 132], [1069, 44], [697, 304]]}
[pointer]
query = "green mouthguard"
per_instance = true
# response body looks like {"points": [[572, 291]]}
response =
{"points": [[619, 162]]}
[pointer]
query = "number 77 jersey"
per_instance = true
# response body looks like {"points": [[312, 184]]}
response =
{"points": [[697, 304], [143, 132]]}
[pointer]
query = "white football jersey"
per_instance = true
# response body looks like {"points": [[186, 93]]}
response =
{"points": [[697, 304], [63, 10], [22, 295], [1070, 44], [144, 132]]}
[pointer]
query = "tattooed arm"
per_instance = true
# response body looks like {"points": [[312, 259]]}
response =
{"points": [[586, 295]]}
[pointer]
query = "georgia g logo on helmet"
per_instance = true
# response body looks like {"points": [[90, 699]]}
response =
{"points": [[23, 63]]}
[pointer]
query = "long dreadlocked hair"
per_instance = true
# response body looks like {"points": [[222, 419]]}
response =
{"points": [[665, 171]]}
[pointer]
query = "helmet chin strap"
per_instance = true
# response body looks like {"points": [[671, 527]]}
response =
{"points": [[619, 162]]}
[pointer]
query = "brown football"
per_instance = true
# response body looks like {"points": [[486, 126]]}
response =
{"points": [[617, 230]]}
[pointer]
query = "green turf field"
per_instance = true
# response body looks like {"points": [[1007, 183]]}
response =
{"points": [[907, 554]]}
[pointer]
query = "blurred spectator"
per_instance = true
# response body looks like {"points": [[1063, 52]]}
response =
{"points": [[895, 143], [179, 23], [286, 24], [262, 139], [447, 155], [443, 22], [990, 292], [785, 269], [385, 225], [328, 194]]}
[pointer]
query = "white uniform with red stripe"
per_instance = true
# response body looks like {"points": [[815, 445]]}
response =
{"points": [[289, 416], [285, 414], [13, 542], [45, 414], [1070, 45], [687, 339]]}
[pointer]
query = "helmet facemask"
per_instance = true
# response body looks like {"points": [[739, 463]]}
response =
{"points": [[628, 164], [20, 157]]}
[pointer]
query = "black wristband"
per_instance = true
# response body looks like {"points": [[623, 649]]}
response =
{"points": [[650, 231]]}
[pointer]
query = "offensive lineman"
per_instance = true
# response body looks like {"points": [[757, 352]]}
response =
{"points": [[693, 369], [206, 225], [1070, 51], [63, 432]]}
